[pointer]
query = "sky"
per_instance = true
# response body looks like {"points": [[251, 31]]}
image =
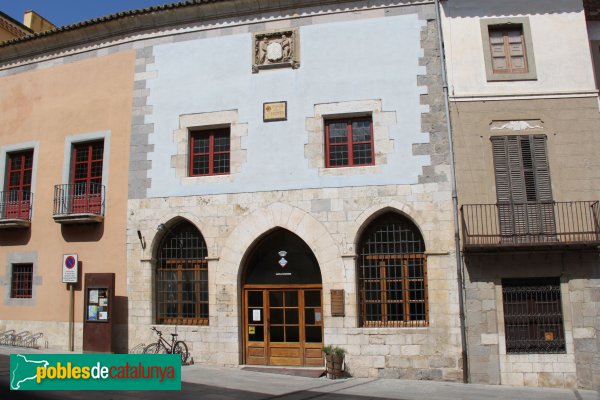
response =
{"points": [[67, 12]]}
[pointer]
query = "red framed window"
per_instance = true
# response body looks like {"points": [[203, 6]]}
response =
{"points": [[87, 163], [349, 142], [18, 184], [209, 152], [21, 281], [86, 177]]}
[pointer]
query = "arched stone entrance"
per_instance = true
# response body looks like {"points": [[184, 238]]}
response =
{"points": [[282, 306]]}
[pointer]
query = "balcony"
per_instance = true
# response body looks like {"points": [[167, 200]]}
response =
{"points": [[79, 203], [15, 209], [530, 226]]}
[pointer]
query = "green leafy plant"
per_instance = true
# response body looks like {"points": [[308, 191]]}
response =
{"points": [[338, 351]]}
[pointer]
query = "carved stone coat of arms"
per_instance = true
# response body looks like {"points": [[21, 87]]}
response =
{"points": [[276, 49]]}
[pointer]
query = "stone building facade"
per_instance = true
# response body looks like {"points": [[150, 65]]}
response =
{"points": [[353, 61], [288, 182], [525, 139]]}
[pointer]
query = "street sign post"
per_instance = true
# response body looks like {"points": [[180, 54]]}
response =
{"points": [[70, 275]]}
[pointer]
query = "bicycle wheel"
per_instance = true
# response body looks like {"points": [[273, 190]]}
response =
{"points": [[155, 348], [181, 348]]}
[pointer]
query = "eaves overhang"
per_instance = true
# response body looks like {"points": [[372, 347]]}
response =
{"points": [[154, 19]]}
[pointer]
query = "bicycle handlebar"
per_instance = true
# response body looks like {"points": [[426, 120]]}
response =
{"points": [[157, 331]]}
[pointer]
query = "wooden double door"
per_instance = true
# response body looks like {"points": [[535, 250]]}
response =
{"points": [[283, 325]]}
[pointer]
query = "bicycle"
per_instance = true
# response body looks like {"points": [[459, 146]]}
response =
{"points": [[162, 346]]}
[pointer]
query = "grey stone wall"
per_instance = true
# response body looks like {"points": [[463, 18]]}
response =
{"points": [[434, 122], [329, 220], [580, 288], [139, 163]]}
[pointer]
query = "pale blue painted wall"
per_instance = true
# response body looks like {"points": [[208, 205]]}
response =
{"points": [[342, 61]]}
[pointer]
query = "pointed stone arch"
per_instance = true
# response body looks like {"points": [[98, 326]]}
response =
{"points": [[279, 215], [171, 219], [370, 214], [181, 275], [391, 270]]}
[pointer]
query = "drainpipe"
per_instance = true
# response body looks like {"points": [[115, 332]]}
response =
{"points": [[459, 272]]}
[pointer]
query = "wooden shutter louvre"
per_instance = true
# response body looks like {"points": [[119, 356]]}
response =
{"points": [[517, 186], [544, 187], [523, 188], [530, 207], [505, 214]]}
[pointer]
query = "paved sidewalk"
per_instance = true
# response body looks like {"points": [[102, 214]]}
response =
{"points": [[202, 382], [297, 388]]}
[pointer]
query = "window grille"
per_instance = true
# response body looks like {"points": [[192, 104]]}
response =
{"points": [[392, 274], [182, 277], [21, 281], [533, 317], [210, 152]]}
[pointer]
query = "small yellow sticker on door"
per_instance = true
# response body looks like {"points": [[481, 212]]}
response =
{"points": [[251, 330], [549, 336]]}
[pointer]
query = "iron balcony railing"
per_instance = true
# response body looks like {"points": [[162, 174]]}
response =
{"points": [[534, 224], [79, 198], [16, 205]]}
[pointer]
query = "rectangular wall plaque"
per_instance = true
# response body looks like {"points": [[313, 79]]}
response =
{"points": [[337, 303], [276, 111]]}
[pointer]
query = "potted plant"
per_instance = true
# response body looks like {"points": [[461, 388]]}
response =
{"points": [[334, 361]]}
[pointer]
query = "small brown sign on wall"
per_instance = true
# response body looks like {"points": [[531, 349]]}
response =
{"points": [[276, 111], [337, 303]]}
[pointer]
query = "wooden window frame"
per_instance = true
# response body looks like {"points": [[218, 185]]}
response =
{"points": [[505, 30], [392, 241], [406, 300], [17, 197], [495, 24], [182, 251], [23, 154], [182, 266], [211, 133], [21, 281], [90, 160], [349, 144]]}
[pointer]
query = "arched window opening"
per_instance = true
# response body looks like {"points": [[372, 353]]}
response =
{"points": [[182, 277], [392, 274]]}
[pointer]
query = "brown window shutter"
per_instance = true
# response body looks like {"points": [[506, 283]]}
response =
{"points": [[503, 192], [523, 188], [500, 153], [541, 168], [544, 187]]}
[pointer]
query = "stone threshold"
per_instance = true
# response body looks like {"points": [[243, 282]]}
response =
{"points": [[294, 371]]}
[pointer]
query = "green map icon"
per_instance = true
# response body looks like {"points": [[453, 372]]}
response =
{"points": [[23, 370], [95, 371]]}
